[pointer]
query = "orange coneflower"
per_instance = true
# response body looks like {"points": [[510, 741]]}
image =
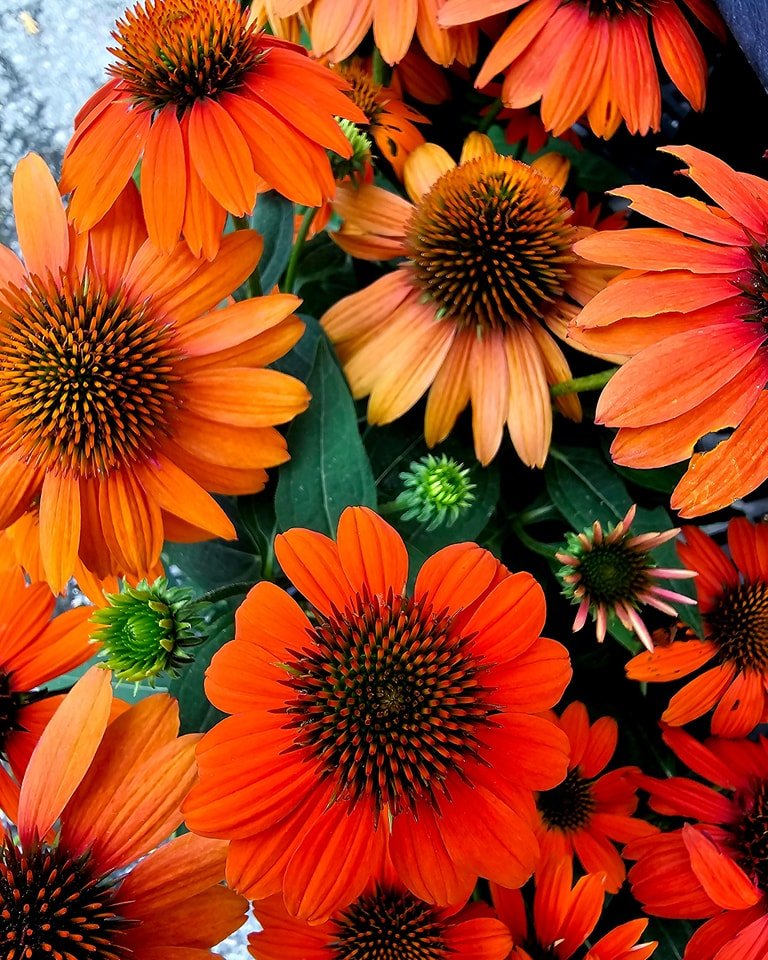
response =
{"points": [[94, 801], [488, 272], [385, 921], [390, 121], [123, 397], [590, 809], [34, 649], [392, 718], [714, 868], [733, 599], [690, 313], [214, 108], [563, 917], [263, 13], [593, 57]]}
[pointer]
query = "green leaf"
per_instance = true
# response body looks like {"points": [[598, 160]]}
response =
{"points": [[661, 480], [273, 218], [329, 468], [584, 488], [196, 712], [325, 275], [208, 565]]}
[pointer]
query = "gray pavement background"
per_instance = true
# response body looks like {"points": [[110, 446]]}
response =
{"points": [[52, 58]]}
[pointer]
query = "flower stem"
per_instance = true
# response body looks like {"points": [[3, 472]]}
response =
{"points": [[539, 514], [253, 283], [595, 381], [226, 592], [543, 549], [301, 236], [487, 119], [378, 68]]}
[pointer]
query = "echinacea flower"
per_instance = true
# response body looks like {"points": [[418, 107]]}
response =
{"points": [[564, 915], [95, 800], [612, 573], [385, 921], [124, 396], [689, 317], [487, 273], [715, 867], [390, 121], [35, 647], [593, 57], [389, 721], [212, 108], [733, 600], [591, 808], [147, 630]]}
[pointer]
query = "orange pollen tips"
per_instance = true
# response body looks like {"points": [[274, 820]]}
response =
{"points": [[570, 805], [491, 243], [365, 94], [751, 834], [390, 701], [50, 906], [87, 381], [389, 925], [180, 51], [738, 625]]}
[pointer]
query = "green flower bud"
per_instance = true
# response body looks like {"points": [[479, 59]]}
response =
{"points": [[146, 630], [437, 491], [354, 166]]}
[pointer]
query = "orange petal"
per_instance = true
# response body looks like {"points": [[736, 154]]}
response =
{"points": [[164, 180], [529, 416], [449, 393], [41, 223], [698, 696], [393, 27], [372, 552], [245, 397], [59, 528], [633, 74], [680, 53], [724, 881], [234, 325], [489, 388], [683, 213], [424, 166], [654, 248], [117, 237], [64, 754], [221, 156], [131, 521]]}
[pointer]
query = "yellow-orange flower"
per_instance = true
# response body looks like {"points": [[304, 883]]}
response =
{"points": [[593, 57], [214, 109], [123, 398], [488, 273], [104, 884], [338, 27]]}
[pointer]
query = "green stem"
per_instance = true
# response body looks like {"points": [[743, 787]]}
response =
{"points": [[387, 509], [543, 549], [301, 236], [253, 283], [595, 381], [378, 68], [226, 592], [538, 514], [487, 119]]}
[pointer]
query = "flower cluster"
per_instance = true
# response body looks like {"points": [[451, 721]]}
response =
{"points": [[311, 264]]}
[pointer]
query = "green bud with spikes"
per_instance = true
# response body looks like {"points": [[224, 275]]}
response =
{"points": [[147, 630], [437, 491], [353, 166]]}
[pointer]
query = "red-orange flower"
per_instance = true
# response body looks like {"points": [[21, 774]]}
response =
{"points": [[582, 815], [733, 599], [593, 57], [34, 649], [95, 800], [563, 917], [488, 273], [386, 920], [212, 108], [690, 313], [124, 397], [390, 121], [715, 868], [428, 723]]}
